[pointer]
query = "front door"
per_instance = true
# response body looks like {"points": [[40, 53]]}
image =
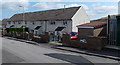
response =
{"points": [[36, 32]]}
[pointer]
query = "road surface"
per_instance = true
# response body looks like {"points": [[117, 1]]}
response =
{"points": [[21, 52]]}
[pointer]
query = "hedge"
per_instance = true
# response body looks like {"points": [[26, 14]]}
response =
{"points": [[13, 29]]}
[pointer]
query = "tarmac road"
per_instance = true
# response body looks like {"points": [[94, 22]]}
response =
{"points": [[21, 52]]}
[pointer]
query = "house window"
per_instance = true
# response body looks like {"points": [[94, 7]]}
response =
{"points": [[64, 22], [19, 22], [25, 22], [52, 22], [13, 22], [41, 23], [33, 22], [9, 22]]}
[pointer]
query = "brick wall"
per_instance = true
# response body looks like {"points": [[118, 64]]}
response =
{"points": [[94, 43], [83, 33]]}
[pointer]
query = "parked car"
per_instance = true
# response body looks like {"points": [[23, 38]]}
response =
{"points": [[73, 35]]}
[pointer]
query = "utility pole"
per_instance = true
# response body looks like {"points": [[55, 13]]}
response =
{"points": [[23, 19], [23, 13]]}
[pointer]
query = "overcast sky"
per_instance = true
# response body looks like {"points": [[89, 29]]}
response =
{"points": [[93, 8]]}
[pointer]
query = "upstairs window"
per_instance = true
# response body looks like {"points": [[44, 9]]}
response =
{"points": [[41, 23], [19, 22], [64, 22], [13, 22], [9, 22], [33, 22], [25, 22], [52, 22]]}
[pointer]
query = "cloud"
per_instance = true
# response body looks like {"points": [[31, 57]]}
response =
{"points": [[3, 1], [46, 0], [14, 4], [74, 0], [45, 5], [99, 11], [75, 5], [106, 9], [56, 5]]}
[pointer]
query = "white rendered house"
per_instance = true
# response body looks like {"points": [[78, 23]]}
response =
{"points": [[64, 20]]}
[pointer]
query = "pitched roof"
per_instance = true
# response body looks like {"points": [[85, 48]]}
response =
{"points": [[93, 24], [56, 14], [4, 21]]}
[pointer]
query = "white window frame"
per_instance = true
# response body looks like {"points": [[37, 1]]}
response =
{"points": [[64, 22], [52, 22]]}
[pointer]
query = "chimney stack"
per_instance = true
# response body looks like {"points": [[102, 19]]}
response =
{"points": [[64, 9]]}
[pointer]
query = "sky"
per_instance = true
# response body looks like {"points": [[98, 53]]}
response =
{"points": [[95, 9]]}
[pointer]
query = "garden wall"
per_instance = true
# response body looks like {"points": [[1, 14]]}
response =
{"points": [[94, 43]]}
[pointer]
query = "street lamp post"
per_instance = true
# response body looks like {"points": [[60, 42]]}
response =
{"points": [[23, 18], [24, 22], [23, 13]]}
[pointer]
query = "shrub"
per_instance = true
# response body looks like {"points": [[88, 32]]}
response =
{"points": [[13, 29]]}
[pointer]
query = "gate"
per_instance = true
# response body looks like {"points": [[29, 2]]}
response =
{"points": [[55, 36], [112, 30]]}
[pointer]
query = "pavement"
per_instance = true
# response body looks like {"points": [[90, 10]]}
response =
{"points": [[105, 53]]}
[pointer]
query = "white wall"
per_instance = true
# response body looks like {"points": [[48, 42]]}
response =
{"points": [[44, 24], [79, 18], [59, 24], [29, 24], [8, 25]]}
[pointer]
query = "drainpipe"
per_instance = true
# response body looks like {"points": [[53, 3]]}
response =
{"points": [[45, 26]]}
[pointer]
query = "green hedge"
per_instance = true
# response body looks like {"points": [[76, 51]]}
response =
{"points": [[13, 29]]}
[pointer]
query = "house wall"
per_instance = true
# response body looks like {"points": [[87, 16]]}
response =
{"points": [[29, 24], [45, 26], [52, 27], [83, 33], [79, 18], [8, 25], [32, 26]]}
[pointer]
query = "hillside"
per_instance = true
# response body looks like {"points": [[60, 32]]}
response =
{"points": [[104, 19]]}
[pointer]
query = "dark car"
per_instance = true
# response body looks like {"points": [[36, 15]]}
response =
{"points": [[73, 35]]}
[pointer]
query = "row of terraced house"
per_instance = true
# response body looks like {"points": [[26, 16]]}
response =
{"points": [[63, 20], [66, 20]]}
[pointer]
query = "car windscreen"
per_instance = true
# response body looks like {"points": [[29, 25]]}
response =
{"points": [[73, 33]]}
